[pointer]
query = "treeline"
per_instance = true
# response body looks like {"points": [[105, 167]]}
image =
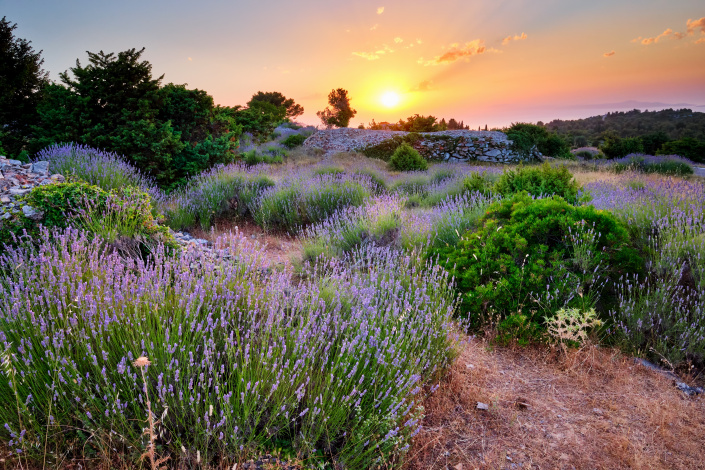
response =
{"points": [[418, 123], [680, 132], [114, 103]]}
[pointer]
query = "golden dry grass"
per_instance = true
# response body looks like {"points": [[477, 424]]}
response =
{"points": [[596, 410]]}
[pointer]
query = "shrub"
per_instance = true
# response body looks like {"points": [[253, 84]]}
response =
{"points": [[252, 158], [539, 181], [385, 149], [406, 158], [533, 257], [666, 165], [121, 216], [104, 169], [477, 182], [240, 362], [294, 140], [303, 201], [692, 149]]}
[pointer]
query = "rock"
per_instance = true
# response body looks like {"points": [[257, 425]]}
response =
{"points": [[41, 167], [32, 213], [493, 153], [15, 162], [483, 406], [5, 200], [18, 192]]}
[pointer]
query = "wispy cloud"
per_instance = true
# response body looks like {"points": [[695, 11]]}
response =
{"points": [[398, 40], [426, 85], [518, 37], [457, 52], [380, 10], [368, 55], [692, 27], [608, 54]]}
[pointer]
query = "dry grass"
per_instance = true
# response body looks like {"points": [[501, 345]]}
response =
{"points": [[596, 409]]}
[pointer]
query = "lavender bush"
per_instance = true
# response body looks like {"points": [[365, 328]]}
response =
{"points": [[334, 364], [104, 169]]}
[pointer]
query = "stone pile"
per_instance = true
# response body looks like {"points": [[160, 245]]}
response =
{"points": [[457, 145], [18, 179]]}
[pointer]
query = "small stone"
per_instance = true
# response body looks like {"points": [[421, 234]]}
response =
{"points": [[5, 200], [41, 167], [14, 162], [32, 213], [18, 192], [483, 406], [469, 366]]}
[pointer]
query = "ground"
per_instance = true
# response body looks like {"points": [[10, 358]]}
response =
{"points": [[593, 409]]}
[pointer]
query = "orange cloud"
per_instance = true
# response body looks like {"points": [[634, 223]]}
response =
{"points": [[458, 52], [508, 39], [694, 25], [608, 54], [691, 25]]}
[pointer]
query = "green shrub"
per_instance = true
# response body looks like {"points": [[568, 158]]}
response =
{"points": [[478, 182], [533, 257], [406, 158], [294, 140], [585, 154], [539, 181], [252, 158], [385, 149], [122, 217]]}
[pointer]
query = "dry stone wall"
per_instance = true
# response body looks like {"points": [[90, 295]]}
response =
{"points": [[458, 146], [18, 179]]}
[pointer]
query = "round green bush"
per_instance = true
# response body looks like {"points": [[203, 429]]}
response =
{"points": [[541, 180], [525, 258], [406, 158]]}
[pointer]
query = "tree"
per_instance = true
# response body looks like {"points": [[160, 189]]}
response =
{"points": [[339, 112], [277, 99], [260, 119], [114, 103], [22, 81]]}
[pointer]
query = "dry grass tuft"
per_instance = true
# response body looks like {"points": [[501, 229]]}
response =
{"points": [[593, 409]]}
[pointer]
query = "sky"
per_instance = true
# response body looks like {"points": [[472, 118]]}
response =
{"points": [[483, 62]]}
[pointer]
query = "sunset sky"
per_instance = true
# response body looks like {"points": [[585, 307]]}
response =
{"points": [[484, 62]]}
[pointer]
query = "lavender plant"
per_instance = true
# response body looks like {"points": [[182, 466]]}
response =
{"points": [[106, 170], [335, 363]]}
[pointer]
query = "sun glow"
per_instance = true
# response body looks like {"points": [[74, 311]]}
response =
{"points": [[390, 99]]}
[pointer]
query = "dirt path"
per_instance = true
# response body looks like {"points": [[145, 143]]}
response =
{"points": [[596, 409]]}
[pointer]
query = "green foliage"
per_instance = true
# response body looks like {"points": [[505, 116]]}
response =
{"points": [[259, 119], [538, 181], [665, 166], [122, 216], [526, 258], [114, 103], [293, 206], [689, 148], [478, 182], [292, 110], [406, 158], [525, 137], [339, 112], [22, 81], [385, 149], [252, 158], [673, 123], [293, 141], [417, 123], [616, 147]]}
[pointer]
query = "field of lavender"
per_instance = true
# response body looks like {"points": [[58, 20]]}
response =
{"points": [[210, 357]]}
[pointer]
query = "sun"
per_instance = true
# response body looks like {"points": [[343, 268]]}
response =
{"points": [[390, 99]]}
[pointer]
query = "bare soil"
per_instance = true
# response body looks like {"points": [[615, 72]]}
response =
{"points": [[592, 409]]}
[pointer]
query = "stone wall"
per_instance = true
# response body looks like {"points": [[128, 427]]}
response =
{"points": [[18, 179], [459, 146]]}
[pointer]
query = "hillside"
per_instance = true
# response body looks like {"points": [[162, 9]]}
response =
{"points": [[676, 124]]}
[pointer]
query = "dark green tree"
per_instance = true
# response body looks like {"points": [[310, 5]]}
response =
{"points": [[277, 99], [22, 81], [339, 112], [259, 119], [114, 103]]}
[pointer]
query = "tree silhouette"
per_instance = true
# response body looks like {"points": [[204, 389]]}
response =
{"points": [[339, 113]]}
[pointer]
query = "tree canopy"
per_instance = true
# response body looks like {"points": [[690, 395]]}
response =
{"points": [[277, 99], [22, 81], [339, 112]]}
